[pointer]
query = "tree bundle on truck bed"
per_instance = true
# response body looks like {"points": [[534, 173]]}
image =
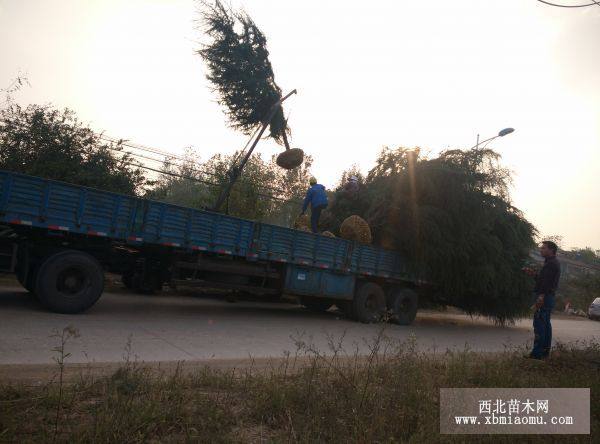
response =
{"points": [[452, 218]]}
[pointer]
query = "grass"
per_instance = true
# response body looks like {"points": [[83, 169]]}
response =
{"points": [[391, 395]]}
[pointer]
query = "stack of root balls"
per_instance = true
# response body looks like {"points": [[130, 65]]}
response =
{"points": [[302, 223], [354, 228], [357, 229]]}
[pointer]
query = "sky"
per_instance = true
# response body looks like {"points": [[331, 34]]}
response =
{"points": [[410, 73]]}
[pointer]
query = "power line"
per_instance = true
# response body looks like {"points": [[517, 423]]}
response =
{"points": [[24, 125], [166, 154], [178, 157], [163, 161], [169, 173], [195, 179], [154, 159], [186, 177], [194, 170], [594, 3], [137, 146], [126, 143]]}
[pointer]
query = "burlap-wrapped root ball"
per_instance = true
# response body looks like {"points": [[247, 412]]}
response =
{"points": [[357, 229], [302, 223], [291, 158], [328, 234]]}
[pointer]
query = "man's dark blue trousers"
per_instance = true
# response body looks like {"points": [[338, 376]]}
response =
{"points": [[542, 329]]}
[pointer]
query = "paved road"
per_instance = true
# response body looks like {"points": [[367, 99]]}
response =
{"points": [[169, 328]]}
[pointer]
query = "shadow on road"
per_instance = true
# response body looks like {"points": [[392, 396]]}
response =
{"points": [[168, 305], [204, 308], [19, 299]]}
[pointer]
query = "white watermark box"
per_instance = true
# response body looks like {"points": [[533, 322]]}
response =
{"points": [[515, 410]]}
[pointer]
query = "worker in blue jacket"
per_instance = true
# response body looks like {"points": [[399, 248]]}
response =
{"points": [[317, 198]]}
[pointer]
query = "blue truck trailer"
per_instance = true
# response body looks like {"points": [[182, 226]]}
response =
{"points": [[60, 238]]}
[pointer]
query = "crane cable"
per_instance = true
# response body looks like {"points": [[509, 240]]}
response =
{"points": [[594, 3]]}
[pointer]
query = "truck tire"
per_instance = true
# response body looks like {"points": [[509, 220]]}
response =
{"points": [[27, 280], [316, 304], [404, 306], [69, 282], [368, 304]]}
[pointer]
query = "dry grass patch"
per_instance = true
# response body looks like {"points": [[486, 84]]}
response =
{"points": [[392, 395]]}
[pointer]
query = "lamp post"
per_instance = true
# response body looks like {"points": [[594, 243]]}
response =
{"points": [[501, 133]]}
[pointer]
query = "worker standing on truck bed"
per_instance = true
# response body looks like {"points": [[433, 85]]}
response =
{"points": [[546, 283], [351, 187], [317, 198]]}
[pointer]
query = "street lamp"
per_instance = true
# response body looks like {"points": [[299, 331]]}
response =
{"points": [[501, 133]]}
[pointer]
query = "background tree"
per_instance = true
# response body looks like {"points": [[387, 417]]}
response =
{"points": [[587, 255], [264, 192], [580, 289], [6, 94], [452, 218], [556, 238], [46, 142], [182, 183], [248, 197]]}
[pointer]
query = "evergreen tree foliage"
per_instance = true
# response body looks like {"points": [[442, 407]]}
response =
{"points": [[452, 218], [239, 69]]}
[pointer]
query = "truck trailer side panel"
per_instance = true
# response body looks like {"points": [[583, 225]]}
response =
{"points": [[151, 243]]}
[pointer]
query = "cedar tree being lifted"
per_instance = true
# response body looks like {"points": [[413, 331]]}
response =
{"points": [[240, 70]]}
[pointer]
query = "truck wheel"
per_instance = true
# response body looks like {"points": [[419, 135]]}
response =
{"points": [[69, 282], [368, 304], [314, 304], [404, 305]]}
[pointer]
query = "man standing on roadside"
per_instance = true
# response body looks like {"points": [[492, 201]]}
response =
{"points": [[546, 283]]}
